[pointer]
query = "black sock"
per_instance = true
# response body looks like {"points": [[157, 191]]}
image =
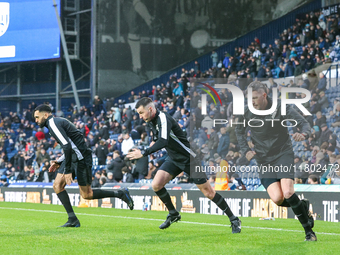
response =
{"points": [[165, 197], [284, 203], [100, 193], [300, 211], [222, 204], [65, 200]]}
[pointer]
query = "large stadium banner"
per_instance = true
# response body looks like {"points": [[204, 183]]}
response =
{"points": [[331, 10], [323, 205], [140, 39]]}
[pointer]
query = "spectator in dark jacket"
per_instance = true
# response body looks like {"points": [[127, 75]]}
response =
{"points": [[127, 176], [132, 97], [289, 70], [309, 62], [271, 64], [116, 166], [110, 178], [117, 129], [141, 169], [202, 137], [262, 72], [322, 83], [306, 82], [103, 131], [298, 69], [95, 181], [97, 105], [314, 106], [41, 157], [325, 133], [213, 142], [303, 62], [323, 100], [101, 152], [252, 68], [198, 115], [320, 119], [223, 145]]}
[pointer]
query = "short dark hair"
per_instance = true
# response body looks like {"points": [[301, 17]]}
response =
{"points": [[103, 179], [257, 85], [314, 178], [125, 169], [143, 102], [43, 108]]}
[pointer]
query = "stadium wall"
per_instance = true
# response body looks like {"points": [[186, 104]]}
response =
{"points": [[324, 205]]}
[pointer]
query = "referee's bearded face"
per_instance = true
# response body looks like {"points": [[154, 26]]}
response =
{"points": [[259, 100], [40, 118], [145, 113]]}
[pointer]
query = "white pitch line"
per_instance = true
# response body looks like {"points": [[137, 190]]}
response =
{"points": [[150, 219]]}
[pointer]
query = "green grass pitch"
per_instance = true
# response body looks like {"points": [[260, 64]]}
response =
{"points": [[32, 229]]}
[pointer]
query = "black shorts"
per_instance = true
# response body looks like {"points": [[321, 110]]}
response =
{"points": [[175, 168], [82, 169], [281, 168]]}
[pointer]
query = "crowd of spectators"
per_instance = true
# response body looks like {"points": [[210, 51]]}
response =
{"points": [[112, 129]]}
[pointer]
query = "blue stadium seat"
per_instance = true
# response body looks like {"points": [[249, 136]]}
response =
{"points": [[11, 154], [306, 154], [136, 141], [97, 167], [257, 181], [2, 170], [15, 126], [114, 136], [145, 181], [67, 113], [95, 161]]}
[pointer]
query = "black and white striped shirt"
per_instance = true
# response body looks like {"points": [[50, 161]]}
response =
{"points": [[168, 134], [70, 139]]}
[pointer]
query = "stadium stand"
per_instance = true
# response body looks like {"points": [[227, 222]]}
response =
{"points": [[300, 44]]}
